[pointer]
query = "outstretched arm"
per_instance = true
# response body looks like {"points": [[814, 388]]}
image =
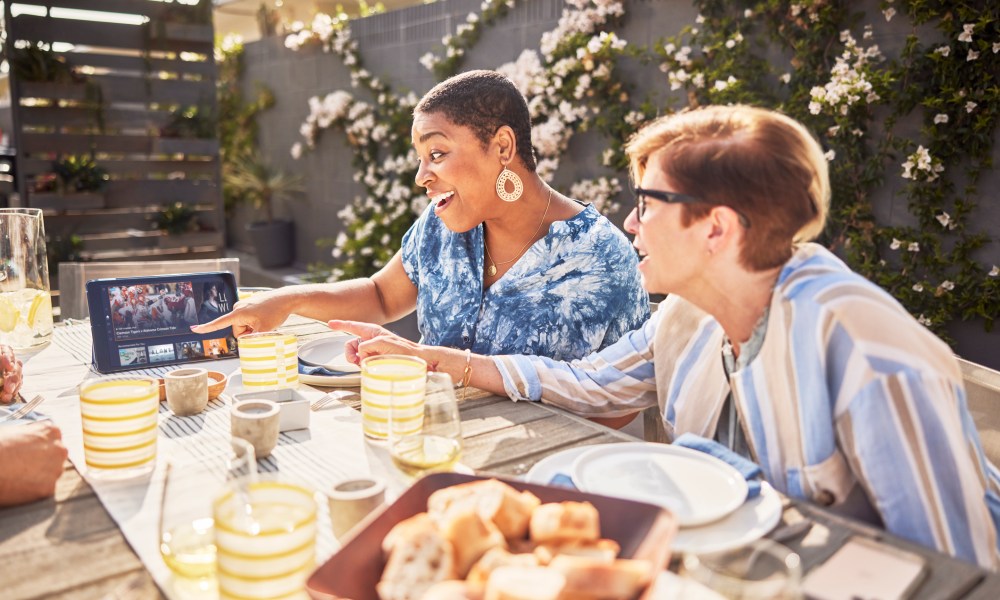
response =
{"points": [[386, 296]]}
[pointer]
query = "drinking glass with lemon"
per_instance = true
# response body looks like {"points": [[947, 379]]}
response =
{"points": [[25, 302]]}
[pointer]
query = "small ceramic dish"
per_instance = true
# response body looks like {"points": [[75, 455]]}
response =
{"points": [[216, 383]]}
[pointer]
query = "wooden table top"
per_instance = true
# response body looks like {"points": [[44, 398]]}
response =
{"points": [[69, 547]]}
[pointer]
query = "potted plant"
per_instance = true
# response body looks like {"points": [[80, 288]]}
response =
{"points": [[253, 179], [179, 221], [75, 182]]}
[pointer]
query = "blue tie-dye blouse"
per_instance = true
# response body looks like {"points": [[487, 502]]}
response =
{"points": [[574, 291]]}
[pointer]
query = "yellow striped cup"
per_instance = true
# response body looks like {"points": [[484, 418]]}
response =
{"points": [[120, 425], [392, 380], [265, 539], [269, 361]]}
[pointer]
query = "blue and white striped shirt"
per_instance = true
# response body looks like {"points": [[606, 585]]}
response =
{"points": [[847, 393]]}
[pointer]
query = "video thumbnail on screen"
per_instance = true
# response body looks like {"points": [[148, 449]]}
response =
{"points": [[146, 310]]}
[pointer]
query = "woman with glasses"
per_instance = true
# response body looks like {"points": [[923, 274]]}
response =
{"points": [[499, 262], [767, 343]]}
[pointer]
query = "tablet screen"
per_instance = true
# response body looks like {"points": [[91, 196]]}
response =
{"points": [[146, 322]]}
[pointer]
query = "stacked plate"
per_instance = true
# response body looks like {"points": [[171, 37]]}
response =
{"points": [[707, 496], [328, 353]]}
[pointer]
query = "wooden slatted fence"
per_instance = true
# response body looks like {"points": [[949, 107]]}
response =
{"points": [[130, 83]]}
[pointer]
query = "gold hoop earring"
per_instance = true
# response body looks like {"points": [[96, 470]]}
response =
{"points": [[505, 176]]}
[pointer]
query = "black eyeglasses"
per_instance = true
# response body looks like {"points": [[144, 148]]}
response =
{"points": [[673, 198]]}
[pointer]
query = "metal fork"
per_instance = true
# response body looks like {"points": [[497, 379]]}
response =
{"points": [[324, 401], [26, 408]]}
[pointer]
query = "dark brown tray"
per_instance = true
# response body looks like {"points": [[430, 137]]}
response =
{"points": [[642, 530]]}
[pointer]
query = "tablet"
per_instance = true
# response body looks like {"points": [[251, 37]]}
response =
{"points": [[143, 322]]}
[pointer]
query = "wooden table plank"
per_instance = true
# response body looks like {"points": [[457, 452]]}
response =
{"points": [[988, 589], [71, 541]]}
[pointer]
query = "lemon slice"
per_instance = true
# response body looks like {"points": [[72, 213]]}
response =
{"points": [[42, 301], [8, 315]]}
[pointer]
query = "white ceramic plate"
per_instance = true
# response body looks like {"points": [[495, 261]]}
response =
{"points": [[352, 380], [328, 352], [753, 520], [339, 381], [696, 487]]}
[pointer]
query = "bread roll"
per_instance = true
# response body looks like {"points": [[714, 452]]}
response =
{"points": [[593, 578], [524, 583], [565, 522], [419, 557], [494, 500], [493, 560], [405, 529], [603, 550], [451, 590], [470, 536]]}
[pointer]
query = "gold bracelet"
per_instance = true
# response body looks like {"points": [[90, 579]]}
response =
{"points": [[467, 374]]}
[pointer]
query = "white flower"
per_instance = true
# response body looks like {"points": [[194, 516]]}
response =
{"points": [[730, 44], [296, 150], [785, 77], [966, 35], [889, 13], [472, 18], [699, 19], [996, 47], [947, 285], [940, 118], [913, 247], [895, 244], [670, 48], [924, 321], [943, 50], [994, 271], [918, 287], [970, 106], [973, 55], [944, 219], [720, 85], [830, 155], [747, 13], [833, 130], [795, 9]]}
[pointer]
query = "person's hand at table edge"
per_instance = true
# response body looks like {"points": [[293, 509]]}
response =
{"points": [[33, 461], [13, 376]]}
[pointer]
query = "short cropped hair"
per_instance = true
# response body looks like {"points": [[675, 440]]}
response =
{"points": [[483, 101], [758, 162]]}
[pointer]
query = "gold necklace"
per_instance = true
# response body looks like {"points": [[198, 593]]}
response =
{"points": [[492, 269]]}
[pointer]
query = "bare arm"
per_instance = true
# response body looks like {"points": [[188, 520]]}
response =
{"points": [[384, 297]]}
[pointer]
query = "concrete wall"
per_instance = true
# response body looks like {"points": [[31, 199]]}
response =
{"points": [[390, 46]]}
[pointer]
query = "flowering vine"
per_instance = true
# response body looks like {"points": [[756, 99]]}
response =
{"points": [[885, 123]]}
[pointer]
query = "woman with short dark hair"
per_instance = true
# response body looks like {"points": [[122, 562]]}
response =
{"points": [[499, 262], [769, 344]]}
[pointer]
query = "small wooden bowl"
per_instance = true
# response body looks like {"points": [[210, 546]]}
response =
{"points": [[216, 383]]}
